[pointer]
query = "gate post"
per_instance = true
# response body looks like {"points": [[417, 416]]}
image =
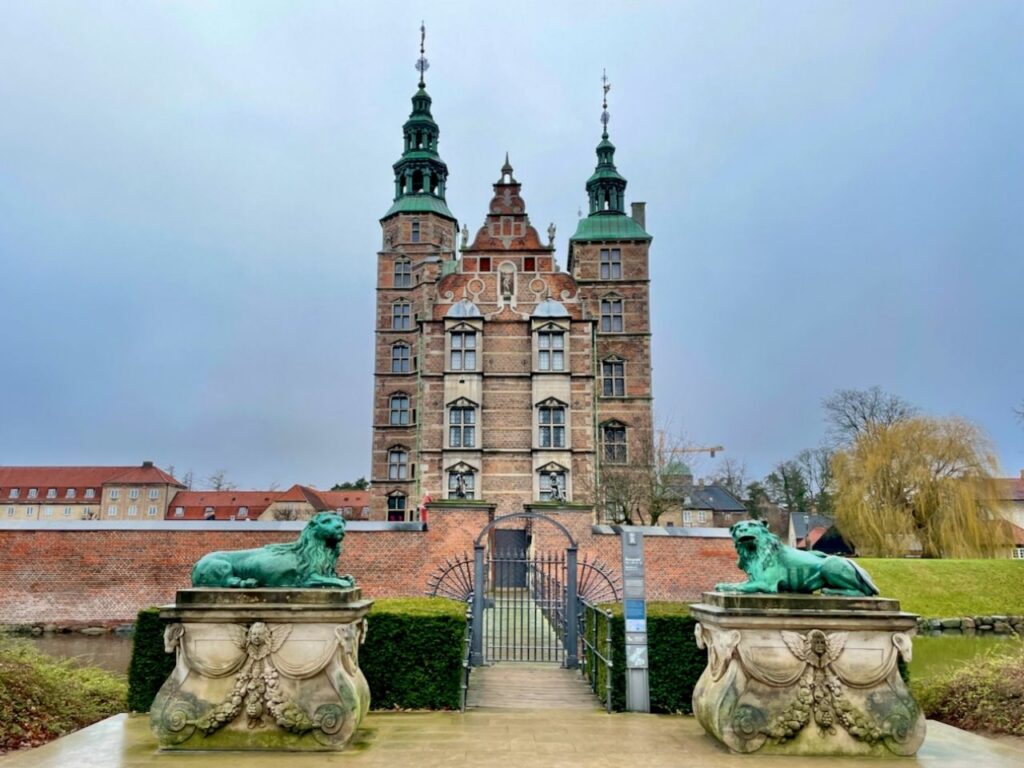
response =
{"points": [[571, 605], [476, 657]]}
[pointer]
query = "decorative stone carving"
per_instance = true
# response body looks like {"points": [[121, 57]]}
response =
{"points": [[263, 669], [806, 675]]}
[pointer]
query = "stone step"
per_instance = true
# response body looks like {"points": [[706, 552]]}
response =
{"points": [[512, 685]]}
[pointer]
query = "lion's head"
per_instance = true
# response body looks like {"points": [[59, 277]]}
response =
{"points": [[754, 543], [319, 545]]}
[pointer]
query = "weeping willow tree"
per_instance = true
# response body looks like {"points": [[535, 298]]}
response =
{"points": [[920, 480]]}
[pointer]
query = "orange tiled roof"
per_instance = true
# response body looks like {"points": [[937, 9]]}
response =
{"points": [[79, 478], [225, 504]]}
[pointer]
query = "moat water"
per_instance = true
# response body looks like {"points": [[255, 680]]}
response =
{"points": [[932, 655]]}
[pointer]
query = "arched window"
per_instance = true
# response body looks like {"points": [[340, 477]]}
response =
{"points": [[400, 358], [398, 464], [401, 316], [462, 426], [611, 314], [399, 407], [551, 422], [613, 440], [396, 507], [403, 274]]}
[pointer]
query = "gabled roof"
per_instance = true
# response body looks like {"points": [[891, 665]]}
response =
{"points": [[712, 496], [1010, 489], [226, 504], [802, 524], [63, 478]]}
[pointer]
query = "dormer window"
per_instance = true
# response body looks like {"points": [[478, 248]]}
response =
{"points": [[90, 493], [70, 493], [14, 493], [51, 493], [33, 493]]}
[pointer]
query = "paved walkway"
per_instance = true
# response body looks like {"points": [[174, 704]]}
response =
{"points": [[502, 739], [517, 686]]}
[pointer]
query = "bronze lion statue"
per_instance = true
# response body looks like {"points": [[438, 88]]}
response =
{"points": [[307, 562], [772, 566]]}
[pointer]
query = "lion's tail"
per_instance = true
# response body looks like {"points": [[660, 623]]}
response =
{"points": [[864, 578]]}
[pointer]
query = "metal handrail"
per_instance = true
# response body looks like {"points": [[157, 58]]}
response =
{"points": [[590, 655]]}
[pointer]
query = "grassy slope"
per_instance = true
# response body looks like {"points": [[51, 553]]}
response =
{"points": [[42, 698], [946, 588]]}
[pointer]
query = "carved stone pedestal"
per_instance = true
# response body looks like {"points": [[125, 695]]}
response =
{"points": [[263, 669], [806, 675]]}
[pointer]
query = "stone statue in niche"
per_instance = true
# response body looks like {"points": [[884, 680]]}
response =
{"points": [[310, 561], [508, 282], [772, 566]]}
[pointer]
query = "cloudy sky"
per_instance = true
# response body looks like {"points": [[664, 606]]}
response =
{"points": [[190, 195]]}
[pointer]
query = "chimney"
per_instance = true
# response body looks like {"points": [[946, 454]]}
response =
{"points": [[1022, 474], [147, 465], [640, 214]]}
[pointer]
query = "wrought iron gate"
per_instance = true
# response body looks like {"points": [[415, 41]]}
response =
{"points": [[524, 617]]}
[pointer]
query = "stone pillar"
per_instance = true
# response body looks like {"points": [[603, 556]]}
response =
{"points": [[263, 669], [806, 675]]}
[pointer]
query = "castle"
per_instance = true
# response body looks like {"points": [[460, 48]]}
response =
{"points": [[499, 377]]}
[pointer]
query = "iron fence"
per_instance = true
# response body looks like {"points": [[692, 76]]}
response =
{"points": [[596, 652]]}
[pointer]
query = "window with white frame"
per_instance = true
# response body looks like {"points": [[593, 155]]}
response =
{"points": [[151, 511], [400, 358], [243, 511], [30, 511], [70, 493], [396, 507], [611, 264], [133, 493], [179, 511], [462, 483], [613, 378], [10, 511], [462, 426], [14, 493], [1018, 553], [403, 274], [551, 422], [67, 511], [613, 439], [90, 493], [47, 511], [398, 464], [51, 493], [33, 493], [687, 517], [112, 511], [154, 493], [399, 407], [401, 316], [702, 516], [611, 315], [115, 493], [551, 351], [133, 510], [552, 485], [463, 351]]}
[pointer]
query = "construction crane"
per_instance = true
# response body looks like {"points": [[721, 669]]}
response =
{"points": [[710, 450]]}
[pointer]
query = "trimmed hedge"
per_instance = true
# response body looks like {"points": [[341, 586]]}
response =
{"points": [[674, 660], [412, 657]]}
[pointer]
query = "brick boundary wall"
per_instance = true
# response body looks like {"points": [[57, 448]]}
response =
{"points": [[101, 574]]}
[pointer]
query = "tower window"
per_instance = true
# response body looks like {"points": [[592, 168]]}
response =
{"points": [[462, 427], [403, 273], [400, 358], [529, 264], [416, 225], [485, 263], [399, 410], [398, 464], [463, 351], [551, 351], [613, 436], [396, 508], [611, 264], [613, 378], [401, 316], [552, 426], [461, 484], [611, 315]]}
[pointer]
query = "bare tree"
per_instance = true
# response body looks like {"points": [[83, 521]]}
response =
{"points": [[188, 479], [218, 481], [852, 412], [731, 474]]}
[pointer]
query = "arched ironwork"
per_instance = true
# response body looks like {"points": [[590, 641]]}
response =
{"points": [[454, 579], [529, 516]]}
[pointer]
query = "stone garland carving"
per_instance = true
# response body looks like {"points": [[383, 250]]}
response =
{"points": [[817, 680], [257, 691]]}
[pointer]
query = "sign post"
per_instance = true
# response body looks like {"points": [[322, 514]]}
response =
{"points": [[635, 605]]}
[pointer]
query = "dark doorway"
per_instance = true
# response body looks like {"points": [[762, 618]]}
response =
{"points": [[509, 561]]}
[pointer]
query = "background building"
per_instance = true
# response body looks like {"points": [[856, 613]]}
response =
{"points": [[498, 375]]}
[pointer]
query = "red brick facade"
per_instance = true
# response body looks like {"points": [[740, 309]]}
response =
{"points": [[96, 573]]}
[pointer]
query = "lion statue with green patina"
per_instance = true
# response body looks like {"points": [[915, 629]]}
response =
{"points": [[307, 562], [772, 566]]}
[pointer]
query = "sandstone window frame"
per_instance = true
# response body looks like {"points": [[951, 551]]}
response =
{"points": [[610, 264], [414, 231], [613, 376], [551, 342], [463, 346], [399, 409], [398, 463], [401, 357], [462, 421], [613, 313], [398, 507], [401, 315], [401, 276], [469, 475], [551, 424], [544, 486], [614, 442]]}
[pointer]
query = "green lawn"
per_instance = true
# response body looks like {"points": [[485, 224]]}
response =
{"points": [[947, 588]]}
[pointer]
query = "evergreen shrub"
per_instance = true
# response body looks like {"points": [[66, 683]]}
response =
{"points": [[412, 657]]}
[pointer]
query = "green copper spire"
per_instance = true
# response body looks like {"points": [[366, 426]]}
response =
{"points": [[606, 190], [420, 174]]}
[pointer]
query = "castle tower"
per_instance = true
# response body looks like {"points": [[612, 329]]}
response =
{"points": [[608, 257], [419, 234]]}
